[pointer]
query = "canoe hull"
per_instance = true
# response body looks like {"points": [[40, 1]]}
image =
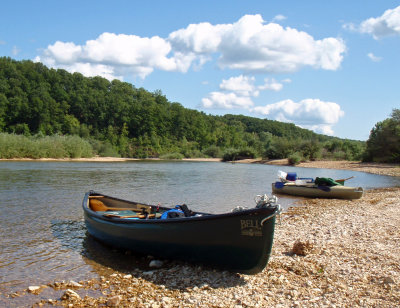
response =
{"points": [[238, 241], [336, 192]]}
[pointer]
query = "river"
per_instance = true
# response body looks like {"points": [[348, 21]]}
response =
{"points": [[42, 233]]}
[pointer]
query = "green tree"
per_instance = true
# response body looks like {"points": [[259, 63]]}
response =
{"points": [[383, 144]]}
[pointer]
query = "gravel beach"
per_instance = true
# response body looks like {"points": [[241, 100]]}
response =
{"points": [[326, 253]]}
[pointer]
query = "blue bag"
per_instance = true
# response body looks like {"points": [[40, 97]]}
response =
{"points": [[173, 213]]}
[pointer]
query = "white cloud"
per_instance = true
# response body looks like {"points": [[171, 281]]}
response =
{"points": [[236, 92], [313, 114], [271, 84], [252, 46], [386, 24], [111, 55], [279, 17], [202, 38], [373, 57], [249, 45], [241, 85], [221, 100]]}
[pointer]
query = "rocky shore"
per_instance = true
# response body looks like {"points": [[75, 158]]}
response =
{"points": [[376, 168], [326, 253]]}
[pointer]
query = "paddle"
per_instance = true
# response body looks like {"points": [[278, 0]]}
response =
{"points": [[98, 206], [343, 180]]}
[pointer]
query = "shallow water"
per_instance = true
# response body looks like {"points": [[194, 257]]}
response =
{"points": [[42, 233]]}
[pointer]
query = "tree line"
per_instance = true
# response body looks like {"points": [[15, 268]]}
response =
{"points": [[117, 119]]}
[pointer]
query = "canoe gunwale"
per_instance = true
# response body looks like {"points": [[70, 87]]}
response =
{"points": [[275, 210]]}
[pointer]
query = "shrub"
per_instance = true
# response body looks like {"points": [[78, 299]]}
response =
{"points": [[105, 149], [295, 158], [193, 154], [230, 154], [213, 151], [246, 153], [76, 147], [39, 146]]}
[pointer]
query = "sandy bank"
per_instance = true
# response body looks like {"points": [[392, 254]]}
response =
{"points": [[326, 253], [376, 168], [348, 255]]}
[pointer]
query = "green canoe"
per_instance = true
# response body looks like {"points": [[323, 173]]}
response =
{"points": [[315, 191]]}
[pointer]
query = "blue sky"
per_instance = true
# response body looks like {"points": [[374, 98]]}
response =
{"points": [[329, 66]]}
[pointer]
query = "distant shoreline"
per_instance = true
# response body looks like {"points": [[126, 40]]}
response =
{"points": [[375, 168]]}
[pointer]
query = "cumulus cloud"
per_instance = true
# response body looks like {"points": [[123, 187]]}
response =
{"points": [[236, 92], [373, 57], [271, 84], [222, 100], [386, 24], [112, 55], [241, 85], [313, 114], [249, 45]]}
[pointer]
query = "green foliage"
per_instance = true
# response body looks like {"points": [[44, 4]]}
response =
{"points": [[383, 144], [280, 148], [213, 151], [20, 146], [232, 154], [76, 147], [310, 150], [103, 149], [132, 122], [295, 158]]}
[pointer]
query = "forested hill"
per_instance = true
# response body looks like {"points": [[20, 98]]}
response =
{"points": [[134, 122]]}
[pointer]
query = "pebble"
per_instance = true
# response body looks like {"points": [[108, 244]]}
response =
{"points": [[70, 294], [156, 263], [34, 289], [114, 301], [74, 284]]}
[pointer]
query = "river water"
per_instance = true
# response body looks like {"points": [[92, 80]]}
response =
{"points": [[42, 233]]}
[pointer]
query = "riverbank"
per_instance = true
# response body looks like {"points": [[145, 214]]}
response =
{"points": [[376, 168], [326, 253]]}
